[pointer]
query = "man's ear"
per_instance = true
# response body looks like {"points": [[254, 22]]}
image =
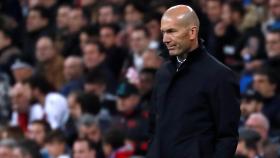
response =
{"points": [[193, 32]]}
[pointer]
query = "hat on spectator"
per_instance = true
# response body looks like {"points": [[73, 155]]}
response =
{"points": [[126, 89], [19, 63], [251, 94]]}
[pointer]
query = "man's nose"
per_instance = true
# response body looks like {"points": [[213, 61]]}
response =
{"points": [[165, 38]]}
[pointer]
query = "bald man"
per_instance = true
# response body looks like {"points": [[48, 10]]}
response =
{"points": [[195, 105]]}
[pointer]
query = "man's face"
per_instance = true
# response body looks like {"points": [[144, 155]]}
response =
{"points": [[249, 106], [146, 83], [213, 10], [273, 44], [81, 150], [55, 148], [6, 152], [36, 132], [175, 36], [17, 153], [35, 21], [45, 50], [127, 104], [274, 7], [92, 56], [154, 29], [138, 41], [22, 74], [132, 15], [62, 16], [106, 15], [72, 68], [74, 108], [20, 97], [76, 20], [263, 86], [107, 37], [4, 41], [91, 132]]}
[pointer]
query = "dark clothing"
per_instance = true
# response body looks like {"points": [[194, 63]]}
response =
{"points": [[271, 110], [195, 109]]}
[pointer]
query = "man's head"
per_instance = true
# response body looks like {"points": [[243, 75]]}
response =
{"points": [[128, 97], [249, 141], [251, 102], [5, 38], [45, 49], [39, 86], [265, 82], [108, 35], [55, 142], [180, 25], [88, 127], [93, 54], [259, 123], [95, 82], [274, 6], [37, 131], [112, 141], [273, 43], [62, 17], [82, 149], [152, 23], [21, 70], [134, 12], [107, 14], [214, 10], [73, 68], [77, 20], [151, 59], [139, 39], [20, 96], [6, 148], [37, 19], [80, 103], [146, 78]]}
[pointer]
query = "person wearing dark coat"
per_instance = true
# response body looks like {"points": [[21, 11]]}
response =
{"points": [[195, 103]]}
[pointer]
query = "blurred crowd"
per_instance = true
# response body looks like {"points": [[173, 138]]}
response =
{"points": [[76, 76]]}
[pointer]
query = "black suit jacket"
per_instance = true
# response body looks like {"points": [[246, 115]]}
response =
{"points": [[195, 109]]}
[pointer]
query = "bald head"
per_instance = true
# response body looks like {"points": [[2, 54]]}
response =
{"points": [[184, 15], [180, 25]]}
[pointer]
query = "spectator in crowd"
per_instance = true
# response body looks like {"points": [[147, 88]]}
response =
{"points": [[107, 14], [251, 102], [114, 145], [37, 25], [134, 12], [115, 55], [8, 51], [259, 123], [55, 143], [94, 57], [139, 42], [37, 131], [6, 148], [248, 143], [50, 62], [21, 70], [50, 106], [82, 149], [134, 121], [20, 97], [77, 21], [73, 73], [266, 83], [151, 59], [79, 103], [88, 127]]}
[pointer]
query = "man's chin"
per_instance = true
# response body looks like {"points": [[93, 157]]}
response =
{"points": [[173, 53]]}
